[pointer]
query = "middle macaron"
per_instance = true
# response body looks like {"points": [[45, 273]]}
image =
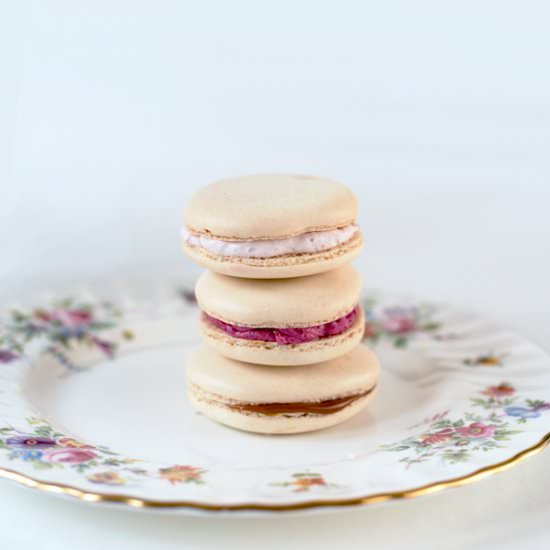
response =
{"points": [[282, 321]]}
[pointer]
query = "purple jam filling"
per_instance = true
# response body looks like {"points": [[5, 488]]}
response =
{"points": [[285, 336]]}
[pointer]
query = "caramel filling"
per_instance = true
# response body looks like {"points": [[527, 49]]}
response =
{"points": [[329, 406]]}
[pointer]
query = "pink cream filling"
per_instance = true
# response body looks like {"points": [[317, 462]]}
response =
{"points": [[286, 336]]}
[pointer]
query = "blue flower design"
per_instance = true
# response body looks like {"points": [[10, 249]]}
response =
{"points": [[71, 332], [521, 412], [32, 455]]}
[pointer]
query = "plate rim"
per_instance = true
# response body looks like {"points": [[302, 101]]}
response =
{"points": [[361, 501]]}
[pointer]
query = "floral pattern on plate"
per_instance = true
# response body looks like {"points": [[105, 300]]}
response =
{"points": [[489, 359], [398, 323], [182, 474], [45, 448], [303, 482], [58, 328], [451, 441]]}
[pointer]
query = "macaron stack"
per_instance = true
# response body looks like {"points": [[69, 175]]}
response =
{"points": [[280, 316]]}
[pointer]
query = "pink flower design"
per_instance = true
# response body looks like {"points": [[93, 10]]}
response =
{"points": [[70, 318], [439, 416], [437, 437], [399, 322], [70, 455], [7, 356], [370, 330], [476, 430], [502, 390], [108, 348], [303, 484]]}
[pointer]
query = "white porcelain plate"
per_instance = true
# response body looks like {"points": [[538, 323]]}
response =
{"points": [[93, 405]]}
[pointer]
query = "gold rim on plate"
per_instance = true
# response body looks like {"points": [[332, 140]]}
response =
{"points": [[137, 502]]}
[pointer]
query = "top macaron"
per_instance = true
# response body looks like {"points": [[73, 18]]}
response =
{"points": [[272, 226]]}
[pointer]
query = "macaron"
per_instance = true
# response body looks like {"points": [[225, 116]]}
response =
{"points": [[272, 226], [281, 321], [272, 400]]}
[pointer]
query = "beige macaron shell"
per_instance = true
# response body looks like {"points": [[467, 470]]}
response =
{"points": [[279, 303], [269, 207], [210, 372], [289, 265], [278, 424], [271, 353]]}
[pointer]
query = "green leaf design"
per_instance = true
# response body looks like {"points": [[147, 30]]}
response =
{"points": [[431, 326], [39, 465], [32, 420], [101, 325], [535, 403], [400, 342], [45, 431]]}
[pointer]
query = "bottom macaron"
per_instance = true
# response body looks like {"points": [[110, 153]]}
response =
{"points": [[281, 400]]}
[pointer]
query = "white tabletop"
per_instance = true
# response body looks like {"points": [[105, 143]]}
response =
{"points": [[435, 114]]}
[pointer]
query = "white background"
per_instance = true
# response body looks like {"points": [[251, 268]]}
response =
{"points": [[437, 114]]}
